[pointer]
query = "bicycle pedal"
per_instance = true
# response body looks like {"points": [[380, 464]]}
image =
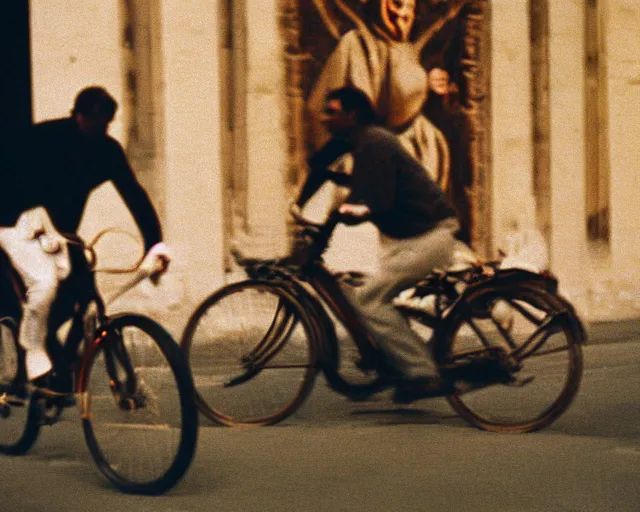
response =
{"points": [[520, 382], [131, 402]]}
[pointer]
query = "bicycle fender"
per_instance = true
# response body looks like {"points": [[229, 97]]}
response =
{"points": [[327, 342], [324, 338], [493, 285]]}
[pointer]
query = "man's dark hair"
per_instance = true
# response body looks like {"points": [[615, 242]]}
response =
{"points": [[94, 101], [355, 100]]}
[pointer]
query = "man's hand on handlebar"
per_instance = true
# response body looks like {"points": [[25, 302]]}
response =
{"points": [[156, 262]]}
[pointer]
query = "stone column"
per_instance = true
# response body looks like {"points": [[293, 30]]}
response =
{"points": [[512, 144], [621, 33], [567, 147], [622, 40], [193, 220], [263, 232]]}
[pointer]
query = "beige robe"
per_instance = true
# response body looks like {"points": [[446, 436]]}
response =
{"points": [[391, 75]]}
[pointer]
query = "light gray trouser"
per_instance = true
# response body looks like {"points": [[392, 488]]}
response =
{"points": [[403, 262], [41, 272]]}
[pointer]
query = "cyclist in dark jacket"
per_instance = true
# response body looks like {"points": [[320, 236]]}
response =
{"points": [[46, 184]]}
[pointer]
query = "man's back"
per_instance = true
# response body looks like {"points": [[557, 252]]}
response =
{"points": [[57, 167], [404, 200]]}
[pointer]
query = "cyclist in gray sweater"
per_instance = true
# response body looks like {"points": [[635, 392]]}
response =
{"points": [[391, 189]]}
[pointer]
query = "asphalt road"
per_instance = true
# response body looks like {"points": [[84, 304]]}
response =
{"points": [[335, 455]]}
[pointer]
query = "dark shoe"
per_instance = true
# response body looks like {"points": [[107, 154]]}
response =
{"points": [[411, 390], [14, 388], [54, 384]]}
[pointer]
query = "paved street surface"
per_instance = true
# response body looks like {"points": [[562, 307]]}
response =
{"points": [[334, 455]]}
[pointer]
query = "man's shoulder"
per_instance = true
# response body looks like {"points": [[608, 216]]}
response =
{"points": [[52, 126], [375, 137], [113, 144], [48, 124]]}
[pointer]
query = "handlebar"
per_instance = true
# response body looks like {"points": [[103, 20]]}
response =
{"points": [[92, 257], [139, 270], [311, 242]]}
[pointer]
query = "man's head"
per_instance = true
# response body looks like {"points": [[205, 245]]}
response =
{"points": [[93, 111], [346, 108], [439, 80]]}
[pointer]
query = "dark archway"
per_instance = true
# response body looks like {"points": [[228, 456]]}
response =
{"points": [[15, 86]]}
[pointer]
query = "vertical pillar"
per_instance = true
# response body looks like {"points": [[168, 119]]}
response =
{"points": [[567, 147], [512, 147], [193, 172], [622, 40], [265, 232]]}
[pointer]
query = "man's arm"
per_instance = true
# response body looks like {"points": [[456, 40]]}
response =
{"points": [[318, 172], [137, 201]]}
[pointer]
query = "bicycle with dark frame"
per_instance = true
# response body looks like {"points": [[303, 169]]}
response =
{"points": [[134, 389], [505, 340]]}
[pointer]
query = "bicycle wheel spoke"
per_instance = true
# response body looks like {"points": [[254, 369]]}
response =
{"points": [[141, 426], [536, 350], [251, 354], [20, 416]]}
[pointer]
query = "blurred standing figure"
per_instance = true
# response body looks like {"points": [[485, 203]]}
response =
{"points": [[378, 58], [45, 190]]}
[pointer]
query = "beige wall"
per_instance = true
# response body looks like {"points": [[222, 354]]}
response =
{"points": [[623, 42], [193, 213], [622, 35], [77, 42], [567, 147], [513, 206], [264, 233], [74, 43]]}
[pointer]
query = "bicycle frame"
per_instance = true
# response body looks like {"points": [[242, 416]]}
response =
{"points": [[316, 287], [76, 295]]}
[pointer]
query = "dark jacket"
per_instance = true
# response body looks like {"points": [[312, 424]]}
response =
{"points": [[404, 200], [57, 167]]}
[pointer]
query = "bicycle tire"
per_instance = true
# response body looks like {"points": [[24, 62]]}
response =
{"points": [[252, 350], [20, 417], [547, 382], [161, 373]]}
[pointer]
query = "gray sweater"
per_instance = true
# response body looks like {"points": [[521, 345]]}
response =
{"points": [[404, 200]]}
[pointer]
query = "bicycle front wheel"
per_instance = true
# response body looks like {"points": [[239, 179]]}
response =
{"points": [[251, 352], [20, 414], [531, 340], [138, 414]]}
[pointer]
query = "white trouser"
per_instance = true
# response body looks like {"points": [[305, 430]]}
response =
{"points": [[403, 262], [41, 258]]}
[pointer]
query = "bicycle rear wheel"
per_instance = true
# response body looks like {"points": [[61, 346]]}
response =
{"points": [[138, 414], [251, 352], [20, 415], [535, 352]]}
